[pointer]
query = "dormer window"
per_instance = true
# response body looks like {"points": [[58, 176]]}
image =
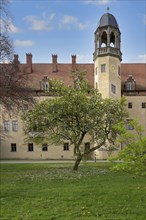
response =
{"points": [[44, 84], [130, 84]]}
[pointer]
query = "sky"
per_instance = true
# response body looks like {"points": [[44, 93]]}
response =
{"points": [[66, 27]]}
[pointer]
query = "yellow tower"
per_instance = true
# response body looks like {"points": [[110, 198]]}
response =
{"points": [[107, 57]]}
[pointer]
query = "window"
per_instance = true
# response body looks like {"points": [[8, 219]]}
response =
{"points": [[13, 147], [66, 146], [129, 104], [6, 126], [113, 88], [87, 146], [45, 147], [130, 84], [103, 68], [143, 105], [44, 83], [45, 86], [15, 125], [96, 70], [104, 39], [128, 124], [119, 71], [30, 146]]}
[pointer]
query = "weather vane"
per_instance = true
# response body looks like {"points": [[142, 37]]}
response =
{"points": [[108, 9]]}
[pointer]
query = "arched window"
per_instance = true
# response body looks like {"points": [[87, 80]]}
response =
{"points": [[112, 39], [104, 39]]}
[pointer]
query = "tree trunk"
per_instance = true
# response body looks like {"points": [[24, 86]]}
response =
{"points": [[78, 160]]}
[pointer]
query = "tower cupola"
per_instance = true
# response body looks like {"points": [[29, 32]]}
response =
{"points": [[107, 37]]}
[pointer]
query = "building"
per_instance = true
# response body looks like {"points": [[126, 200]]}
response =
{"points": [[107, 74]]}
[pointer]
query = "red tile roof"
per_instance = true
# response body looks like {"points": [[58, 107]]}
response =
{"points": [[63, 73], [137, 71]]}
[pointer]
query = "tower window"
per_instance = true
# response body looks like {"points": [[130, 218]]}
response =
{"points": [[119, 71], [113, 88], [66, 146], [112, 39], [129, 104], [96, 70], [104, 39], [103, 68]]}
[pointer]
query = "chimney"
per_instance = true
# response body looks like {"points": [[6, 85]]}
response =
{"points": [[54, 62], [29, 62], [73, 62], [15, 60]]}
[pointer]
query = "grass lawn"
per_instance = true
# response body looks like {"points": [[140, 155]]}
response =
{"points": [[55, 192]]}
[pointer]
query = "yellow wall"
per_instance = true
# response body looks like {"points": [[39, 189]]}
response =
{"points": [[111, 76], [137, 112]]}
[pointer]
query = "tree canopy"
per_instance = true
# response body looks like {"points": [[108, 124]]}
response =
{"points": [[133, 155], [14, 89], [74, 115]]}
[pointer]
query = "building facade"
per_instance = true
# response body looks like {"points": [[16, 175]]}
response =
{"points": [[112, 78]]}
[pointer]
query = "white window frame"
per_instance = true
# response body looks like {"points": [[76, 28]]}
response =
{"points": [[6, 125], [14, 125], [130, 86]]}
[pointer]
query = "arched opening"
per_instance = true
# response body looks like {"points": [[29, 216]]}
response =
{"points": [[112, 39], [104, 39]]}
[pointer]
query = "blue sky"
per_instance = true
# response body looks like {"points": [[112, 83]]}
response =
{"points": [[67, 27]]}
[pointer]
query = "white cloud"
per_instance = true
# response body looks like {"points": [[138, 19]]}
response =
{"points": [[142, 58], [97, 2], [38, 24], [24, 43], [69, 22]]}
